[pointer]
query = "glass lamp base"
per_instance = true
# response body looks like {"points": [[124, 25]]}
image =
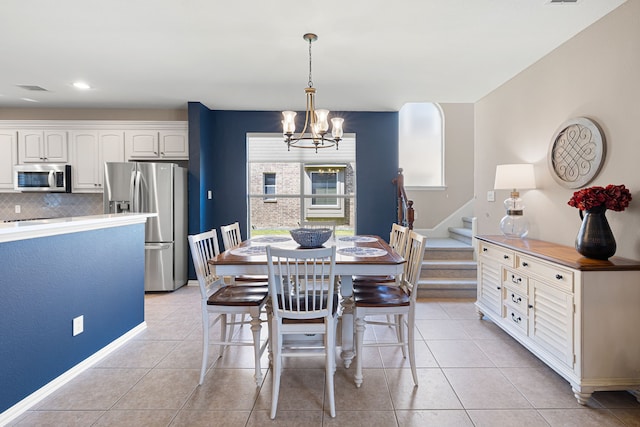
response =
{"points": [[514, 226]]}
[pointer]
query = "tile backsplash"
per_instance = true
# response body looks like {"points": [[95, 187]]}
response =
{"points": [[48, 205]]}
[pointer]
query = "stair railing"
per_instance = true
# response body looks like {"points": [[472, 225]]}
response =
{"points": [[406, 213]]}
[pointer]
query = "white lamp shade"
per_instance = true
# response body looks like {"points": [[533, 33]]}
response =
{"points": [[514, 176]]}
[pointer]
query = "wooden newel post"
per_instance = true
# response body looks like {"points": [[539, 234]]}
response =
{"points": [[405, 206], [410, 214]]}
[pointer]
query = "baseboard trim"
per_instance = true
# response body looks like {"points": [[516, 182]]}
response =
{"points": [[44, 391]]}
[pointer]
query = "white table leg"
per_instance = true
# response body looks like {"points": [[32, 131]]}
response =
{"points": [[346, 289]]}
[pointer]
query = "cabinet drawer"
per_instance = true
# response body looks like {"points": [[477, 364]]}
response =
{"points": [[515, 299], [515, 280], [550, 273], [502, 255], [516, 319]]}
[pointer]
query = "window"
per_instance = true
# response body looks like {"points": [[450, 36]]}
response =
{"points": [[324, 183], [269, 186], [421, 144], [324, 180]]}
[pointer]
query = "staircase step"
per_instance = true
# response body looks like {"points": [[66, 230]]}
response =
{"points": [[449, 269], [447, 288], [462, 234], [467, 222], [448, 249]]}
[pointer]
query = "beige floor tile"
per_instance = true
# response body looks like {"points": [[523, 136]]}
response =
{"points": [[167, 330], [432, 392], [161, 389], [482, 388], [543, 388], [460, 309], [508, 353], [306, 418], [427, 309], [483, 329], [139, 354], [58, 418], [94, 389], [186, 355], [580, 417], [507, 418], [439, 418], [147, 418], [630, 417], [361, 418], [392, 357], [300, 389], [194, 418], [225, 389], [441, 329], [372, 395], [458, 354]]}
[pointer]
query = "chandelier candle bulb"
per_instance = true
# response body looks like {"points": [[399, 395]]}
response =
{"points": [[337, 127]]}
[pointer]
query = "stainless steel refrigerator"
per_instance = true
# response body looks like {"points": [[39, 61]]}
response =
{"points": [[157, 188]]}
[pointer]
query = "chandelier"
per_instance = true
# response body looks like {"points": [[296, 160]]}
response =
{"points": [[315, 131]]}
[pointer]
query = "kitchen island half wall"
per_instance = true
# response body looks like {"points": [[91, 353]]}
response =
{"points": [[52, 272]]}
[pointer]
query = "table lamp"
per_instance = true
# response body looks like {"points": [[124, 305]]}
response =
{"points": [[514, 177]]}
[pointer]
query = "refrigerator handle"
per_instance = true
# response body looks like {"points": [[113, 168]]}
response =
{"points": [[157, 246], [135, 177], [132, 192]]}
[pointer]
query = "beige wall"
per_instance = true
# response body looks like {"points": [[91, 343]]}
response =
{"points": [[596, 74], [434, 205], [91, 114]]}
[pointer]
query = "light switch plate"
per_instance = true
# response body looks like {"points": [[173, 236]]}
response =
{"points": [[491, 196], [78, 325]]}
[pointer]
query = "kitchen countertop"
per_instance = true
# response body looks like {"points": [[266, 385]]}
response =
{"points": [[20, 230]]}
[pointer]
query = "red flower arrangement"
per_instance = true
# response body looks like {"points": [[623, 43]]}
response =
{"points": [[614, 197]]}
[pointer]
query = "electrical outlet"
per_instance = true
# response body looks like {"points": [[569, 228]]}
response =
{"points": [[209, 195], [18, 209], [78, 325], [491, 196]]}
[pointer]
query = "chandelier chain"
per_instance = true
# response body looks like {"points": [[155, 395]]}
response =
{"points": [[310, 80]]}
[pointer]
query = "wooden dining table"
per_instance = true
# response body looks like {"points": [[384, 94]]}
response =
{"points": [[360, 255]]}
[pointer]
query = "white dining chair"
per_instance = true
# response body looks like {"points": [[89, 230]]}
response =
{"points": [[224, 302], [397, 241], [304, 301], [391, 300]]}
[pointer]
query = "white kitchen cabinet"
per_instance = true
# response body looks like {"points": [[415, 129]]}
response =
{"points": [[42, 146], [157, 145], [90, 149], [8, 158], [577, 315]]}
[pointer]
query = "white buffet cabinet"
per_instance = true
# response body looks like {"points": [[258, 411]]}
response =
{"points": [[578, 315]]}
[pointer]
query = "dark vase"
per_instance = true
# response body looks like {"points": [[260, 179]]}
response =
{"points": [[595, 238]]}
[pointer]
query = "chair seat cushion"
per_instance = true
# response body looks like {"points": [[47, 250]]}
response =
{"points": [[239, 296], [375, 279], [389, 296]]}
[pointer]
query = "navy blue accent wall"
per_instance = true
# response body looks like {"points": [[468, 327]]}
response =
{"points": [[223, 169], [45, 283]]}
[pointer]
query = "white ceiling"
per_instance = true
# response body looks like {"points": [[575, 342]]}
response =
{"points": [[371, 55]]}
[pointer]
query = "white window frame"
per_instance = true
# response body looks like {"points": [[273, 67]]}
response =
{"points": [[269, 197], [324, 211]]}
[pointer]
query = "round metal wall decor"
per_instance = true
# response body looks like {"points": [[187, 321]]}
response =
{"points": [[576, 152]]}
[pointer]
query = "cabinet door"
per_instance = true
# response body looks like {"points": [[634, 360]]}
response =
{"points": [[490, 284], [8, 158], [42, 146], [142, 144], [174, 144], [30, 146], [84, 161], [55, 147], [551, 320], [111, 150]]}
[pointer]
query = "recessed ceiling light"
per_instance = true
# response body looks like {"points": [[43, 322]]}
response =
{"points": [[81, 85]]}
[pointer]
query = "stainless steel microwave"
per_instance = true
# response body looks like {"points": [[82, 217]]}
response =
{"points": [[42, 177]]}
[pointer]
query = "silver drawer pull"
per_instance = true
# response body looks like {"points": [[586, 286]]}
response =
{"points": [[559, 276], [516, 300], [516, 319]]}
